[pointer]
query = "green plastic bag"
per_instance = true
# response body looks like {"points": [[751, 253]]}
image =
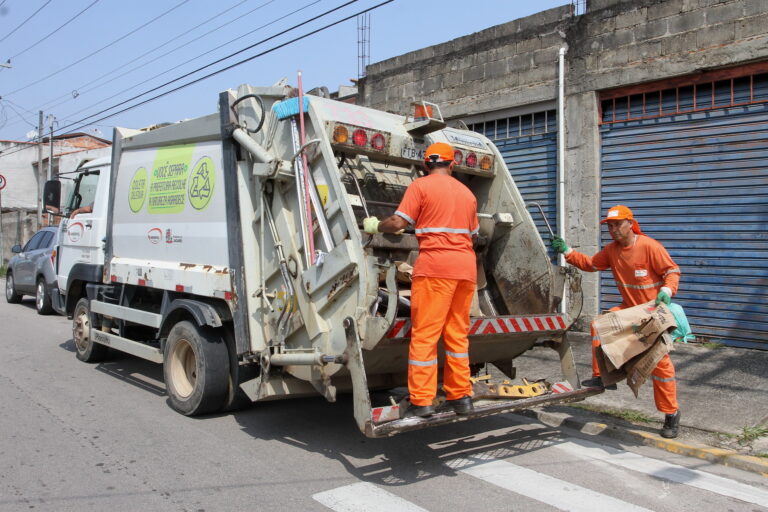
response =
{"points": [[683, 332]]}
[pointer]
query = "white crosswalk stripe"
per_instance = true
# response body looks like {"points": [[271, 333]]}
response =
{"points": [[364, 497], [665, 471], [546, 489]]}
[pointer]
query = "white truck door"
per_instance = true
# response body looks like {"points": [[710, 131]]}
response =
{"points": [[81, 237]]}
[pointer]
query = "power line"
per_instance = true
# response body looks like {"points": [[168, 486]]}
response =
{"points": [[25, 21], [60, 27], [222, 58], [99, 50], [197, 57], [11, 104], [74, 94], [226, 68], [81, 89]]}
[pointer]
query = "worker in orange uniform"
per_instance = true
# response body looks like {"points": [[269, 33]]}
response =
{"points": [[644, 272], [444, 214]]}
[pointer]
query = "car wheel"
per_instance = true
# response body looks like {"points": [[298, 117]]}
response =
{"points": [[42, 298], [195, 369], [10, 290], [87, 349]]}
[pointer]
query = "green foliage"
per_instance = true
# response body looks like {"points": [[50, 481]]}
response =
{"points": [[714, 345], [749, 434], [3, 270]]}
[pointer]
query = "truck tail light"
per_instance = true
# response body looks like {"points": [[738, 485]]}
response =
{"points": [[486, 163], [53, 258], [458, 157], [378, 142], [340, 134], [362, 138], [359, 137], [471, 160]]}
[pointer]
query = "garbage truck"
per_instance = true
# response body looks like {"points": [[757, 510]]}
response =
{"points": [[229, 248]]}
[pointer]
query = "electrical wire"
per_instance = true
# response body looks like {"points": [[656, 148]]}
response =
{"points": [[217, 61], [68, 66], [221, 70], [226, 68], [70, 20], [80, 89], [25, 21], [11, 104], [197, 57]]}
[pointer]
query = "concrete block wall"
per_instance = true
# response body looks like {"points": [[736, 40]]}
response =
{"points": [[616, 43]]}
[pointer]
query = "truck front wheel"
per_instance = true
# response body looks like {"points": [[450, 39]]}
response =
{"points": [[195, 369], [87, 349]]}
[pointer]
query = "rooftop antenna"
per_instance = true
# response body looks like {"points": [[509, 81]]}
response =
{"points": [[363, 43]]}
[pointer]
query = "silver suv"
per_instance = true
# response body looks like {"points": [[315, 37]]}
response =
{"points": [[31, 270]]}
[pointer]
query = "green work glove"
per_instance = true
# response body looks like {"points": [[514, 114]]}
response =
{"points": [[559, 245], [371, 225], [663, 296]]}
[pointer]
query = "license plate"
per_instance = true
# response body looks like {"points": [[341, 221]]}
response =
{"points": [[413, 153]]}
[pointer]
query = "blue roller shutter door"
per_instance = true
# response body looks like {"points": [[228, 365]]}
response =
{"points": [[698, 183], [528, 144]]}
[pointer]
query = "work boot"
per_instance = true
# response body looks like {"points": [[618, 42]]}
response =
{"points": [[461, 405], [671, 425], [422, 411], [597, 382]]}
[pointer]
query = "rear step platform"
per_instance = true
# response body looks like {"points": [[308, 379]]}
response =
{"points": [[383, 425]]}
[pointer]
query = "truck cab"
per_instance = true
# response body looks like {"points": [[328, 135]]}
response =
{"points": [[80, 254]]}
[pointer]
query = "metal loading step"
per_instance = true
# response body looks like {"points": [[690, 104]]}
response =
{"points": [[383, 426]]}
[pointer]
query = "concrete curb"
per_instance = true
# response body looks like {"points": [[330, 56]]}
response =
{"points": [[620, 433]]}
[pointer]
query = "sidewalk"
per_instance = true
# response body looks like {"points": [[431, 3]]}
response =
{"points": [[721, 392]]}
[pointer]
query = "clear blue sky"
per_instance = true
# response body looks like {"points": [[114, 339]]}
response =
{"points": [[78, 89]]}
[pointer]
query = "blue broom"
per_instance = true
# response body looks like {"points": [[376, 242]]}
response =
{"points": [[290, 107]]}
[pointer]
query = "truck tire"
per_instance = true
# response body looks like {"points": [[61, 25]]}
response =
{"points": [[195, 369], [236, 398], [86, 349], [42, 298], [10, 290]]}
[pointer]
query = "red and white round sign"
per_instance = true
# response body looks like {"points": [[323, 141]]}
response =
{"points": [[2, 182]]}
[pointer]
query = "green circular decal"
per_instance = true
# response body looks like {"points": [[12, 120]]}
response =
{"points": [[201, 182], [137, 192]]}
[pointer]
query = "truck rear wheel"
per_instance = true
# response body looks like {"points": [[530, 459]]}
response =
{"points": [[195, 369], [87, 349]]}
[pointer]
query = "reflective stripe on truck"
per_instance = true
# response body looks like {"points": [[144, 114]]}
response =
{"points": [[493, 325]]}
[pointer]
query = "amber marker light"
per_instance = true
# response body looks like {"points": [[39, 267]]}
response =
{"points": [[486, 163], [340, 134]]}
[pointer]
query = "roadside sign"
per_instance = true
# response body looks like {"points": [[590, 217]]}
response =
{"points": [[2, 182]]}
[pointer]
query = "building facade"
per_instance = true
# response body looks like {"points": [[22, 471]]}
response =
{"points": [[666, 111], [19, 163]]}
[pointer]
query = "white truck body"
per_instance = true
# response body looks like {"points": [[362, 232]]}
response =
{"points": [[208, 267]]}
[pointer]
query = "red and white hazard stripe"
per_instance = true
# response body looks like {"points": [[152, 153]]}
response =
{"points": [[493, 325], [561, 387]]}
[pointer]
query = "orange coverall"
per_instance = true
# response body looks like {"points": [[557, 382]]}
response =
{"points": [[444, 214], [639, 270]]}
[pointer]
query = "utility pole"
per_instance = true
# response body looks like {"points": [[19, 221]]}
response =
{"points": [[52, 120], [40, 170]]}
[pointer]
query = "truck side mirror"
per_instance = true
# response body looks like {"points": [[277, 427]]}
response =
{"points": [[52, 196]]}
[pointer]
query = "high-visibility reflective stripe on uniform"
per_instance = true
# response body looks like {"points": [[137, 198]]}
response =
{"points": [[443, 212], [439, 307]]}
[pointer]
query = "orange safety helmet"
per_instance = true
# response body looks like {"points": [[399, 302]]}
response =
{"points": [[439, 152], [621, 212]]}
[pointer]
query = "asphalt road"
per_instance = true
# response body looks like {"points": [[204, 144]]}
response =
{"points": [[76, 436]]}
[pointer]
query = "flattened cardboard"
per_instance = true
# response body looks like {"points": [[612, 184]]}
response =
{"points": [[628, 332]]}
